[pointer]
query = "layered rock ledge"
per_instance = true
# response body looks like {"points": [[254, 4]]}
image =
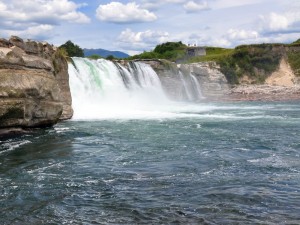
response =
{"points": [[34, 90]]}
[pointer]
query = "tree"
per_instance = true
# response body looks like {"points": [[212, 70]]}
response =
{"points": [[72, 49], [169, 46], [110, 57]]}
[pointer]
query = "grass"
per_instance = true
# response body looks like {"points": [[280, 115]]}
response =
{"points": [[212, 54]]}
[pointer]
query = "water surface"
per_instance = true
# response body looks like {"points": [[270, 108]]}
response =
{"points": [[233, 163]]}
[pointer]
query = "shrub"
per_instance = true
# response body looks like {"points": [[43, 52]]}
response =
{"points": [[110, 57], [294, 60], [94, 56]]}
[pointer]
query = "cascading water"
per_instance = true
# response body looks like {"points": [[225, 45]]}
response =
{"points": [[197, 87], [187, 90], [191, 87], [102, 89]]}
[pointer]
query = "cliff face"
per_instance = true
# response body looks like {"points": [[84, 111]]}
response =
{"points": [[213, 82], [282, 84], [178, 79], [33, 84]]}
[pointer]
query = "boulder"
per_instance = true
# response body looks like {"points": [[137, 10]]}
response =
{"points": [[16, 41], [31, 47]]}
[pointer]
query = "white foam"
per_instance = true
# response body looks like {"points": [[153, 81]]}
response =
{"points": [[11, 145]]}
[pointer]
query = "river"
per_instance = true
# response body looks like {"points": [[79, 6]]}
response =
{"points": [[204, 163]]}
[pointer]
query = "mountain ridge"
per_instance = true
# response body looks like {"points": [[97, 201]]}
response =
{"points": [[104, 53]]}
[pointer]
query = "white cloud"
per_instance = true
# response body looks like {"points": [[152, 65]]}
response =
{"points": [[117, 12], [142, 40], [38, 18], [34, 32], [235, 34], [221, 42], [155, 4], [2, 6], [274, 22], [41, 11], [221, 4], [192, 6]]}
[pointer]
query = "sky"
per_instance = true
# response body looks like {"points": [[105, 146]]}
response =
{"points": [[137, 26]]}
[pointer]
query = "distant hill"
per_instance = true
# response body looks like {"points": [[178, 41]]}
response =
{"points": [[104, 53]]}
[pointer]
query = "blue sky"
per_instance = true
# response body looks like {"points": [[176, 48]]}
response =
{"points": [[135, 26]]}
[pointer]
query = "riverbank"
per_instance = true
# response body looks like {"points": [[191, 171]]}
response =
{"points": [[263, 93]]}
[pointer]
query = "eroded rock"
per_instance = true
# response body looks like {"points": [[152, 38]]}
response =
{"points": [[177, 78], [33, 84]]}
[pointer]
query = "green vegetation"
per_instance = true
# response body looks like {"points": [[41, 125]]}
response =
{"points": [[146, 55], [59, 56], [294, 61], [170, 50], [293, 54], [94, 56], [170, 47], [72, 49], [61, 52], [255, 61], [110, 57], [212, 54], [295, 43]]}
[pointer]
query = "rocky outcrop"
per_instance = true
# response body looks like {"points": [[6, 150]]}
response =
{"points": [[61, 74], [33, 84]]}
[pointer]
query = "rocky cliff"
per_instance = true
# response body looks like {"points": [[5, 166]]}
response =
{"points": [[282, 84], [34, 89], [176, 78]]}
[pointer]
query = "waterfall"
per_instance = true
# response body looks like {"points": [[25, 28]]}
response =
{"points": [[104, 89], [197, 88], [191, 87], [186, 87]]}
